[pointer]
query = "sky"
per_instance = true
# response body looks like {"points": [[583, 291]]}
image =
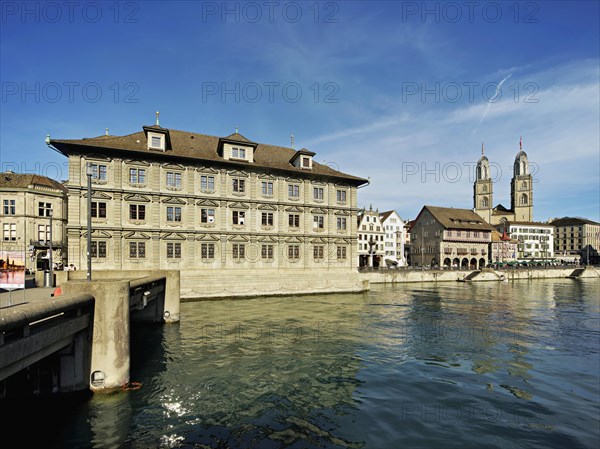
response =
{"points": [[402, 93]]}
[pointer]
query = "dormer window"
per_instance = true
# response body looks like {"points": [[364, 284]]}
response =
{"points": [[303, 159], [156, 141]]}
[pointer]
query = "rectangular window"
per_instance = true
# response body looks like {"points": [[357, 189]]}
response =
{"points": [[306, 162], [318, 222], [44, 233], [98, 172], [239, 251], [10, 232], [173, 213], [293, 190], [341, 223], [239, 153], [318, 252], [137, 176], [341, 196], [293, 252], [207, 250], [239, 217], [266, 251], [98, 209], [98, 249], [44, 209], [267, 188], [318, 193], [266, 219], [341, 253], [173, 250], [10, 207], [137, 212], [207, 183], [156, 142], [207, 215], [294, 220], [239, 185], [174, 179], [137, 250]]}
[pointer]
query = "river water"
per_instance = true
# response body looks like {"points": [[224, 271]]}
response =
{"points": [[481, 365]]}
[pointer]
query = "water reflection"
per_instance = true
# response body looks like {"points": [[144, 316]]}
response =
{"points": [[447, 365]]}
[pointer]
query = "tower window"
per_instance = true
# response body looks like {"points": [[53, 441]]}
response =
{"points": [[523, 200]]}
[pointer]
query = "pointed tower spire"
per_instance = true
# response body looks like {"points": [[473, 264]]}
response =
{"points": [[482, 148], [292, 139], [157, 122], [521, 143]]}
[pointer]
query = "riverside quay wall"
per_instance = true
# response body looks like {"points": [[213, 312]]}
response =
{"points": [[400, 276]]}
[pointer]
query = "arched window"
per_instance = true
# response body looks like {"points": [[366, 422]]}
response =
{"points": [[484, 203], [479, 172], [524, 185], [523, 168], [485, 172], [523, 200]]}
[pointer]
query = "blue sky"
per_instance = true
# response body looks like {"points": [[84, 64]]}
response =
{"points": [[401, 92]]}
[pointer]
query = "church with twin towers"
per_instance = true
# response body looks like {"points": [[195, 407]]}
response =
{"points": [[521, 192]]}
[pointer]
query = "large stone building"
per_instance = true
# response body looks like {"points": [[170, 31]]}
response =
{"points": [[370, 239], [169, 199], [444, 236], [574, 236], [28, 201], [521, 188]]}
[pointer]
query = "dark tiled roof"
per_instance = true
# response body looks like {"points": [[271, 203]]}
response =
{"points": [[25, 180], [572, 221], [199, 148], [501, 210], [452, 218]]}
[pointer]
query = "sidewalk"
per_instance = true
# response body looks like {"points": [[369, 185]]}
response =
{"points": [[34, 294]]}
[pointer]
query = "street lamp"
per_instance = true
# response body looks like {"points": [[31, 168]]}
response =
{"points": [[50, 251], [89, 221]]}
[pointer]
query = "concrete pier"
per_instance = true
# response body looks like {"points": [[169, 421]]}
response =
{"points": [[93, 348]]}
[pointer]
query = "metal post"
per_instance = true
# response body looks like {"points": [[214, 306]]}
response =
{"points": [[89, 221], [51, 263]]}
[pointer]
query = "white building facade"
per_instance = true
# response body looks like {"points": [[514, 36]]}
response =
{"points": [[371, 234], [535, 241], [394, 238]]}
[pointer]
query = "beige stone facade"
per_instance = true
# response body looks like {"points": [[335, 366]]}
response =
{"points": [[26, 202], [577, 237], [166, 199]]}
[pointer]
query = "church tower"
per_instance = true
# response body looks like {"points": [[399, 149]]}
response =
{"points": [[483, 189], [521, 187]]}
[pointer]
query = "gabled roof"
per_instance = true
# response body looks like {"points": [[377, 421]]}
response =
{"points": [[522, 223], [501, 210], [10, 179], [198, 148], [572, 221], [451, 218], [385, 215]]}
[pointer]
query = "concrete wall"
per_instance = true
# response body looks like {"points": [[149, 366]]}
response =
{"points": [[400, 276], [198, 285]]}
